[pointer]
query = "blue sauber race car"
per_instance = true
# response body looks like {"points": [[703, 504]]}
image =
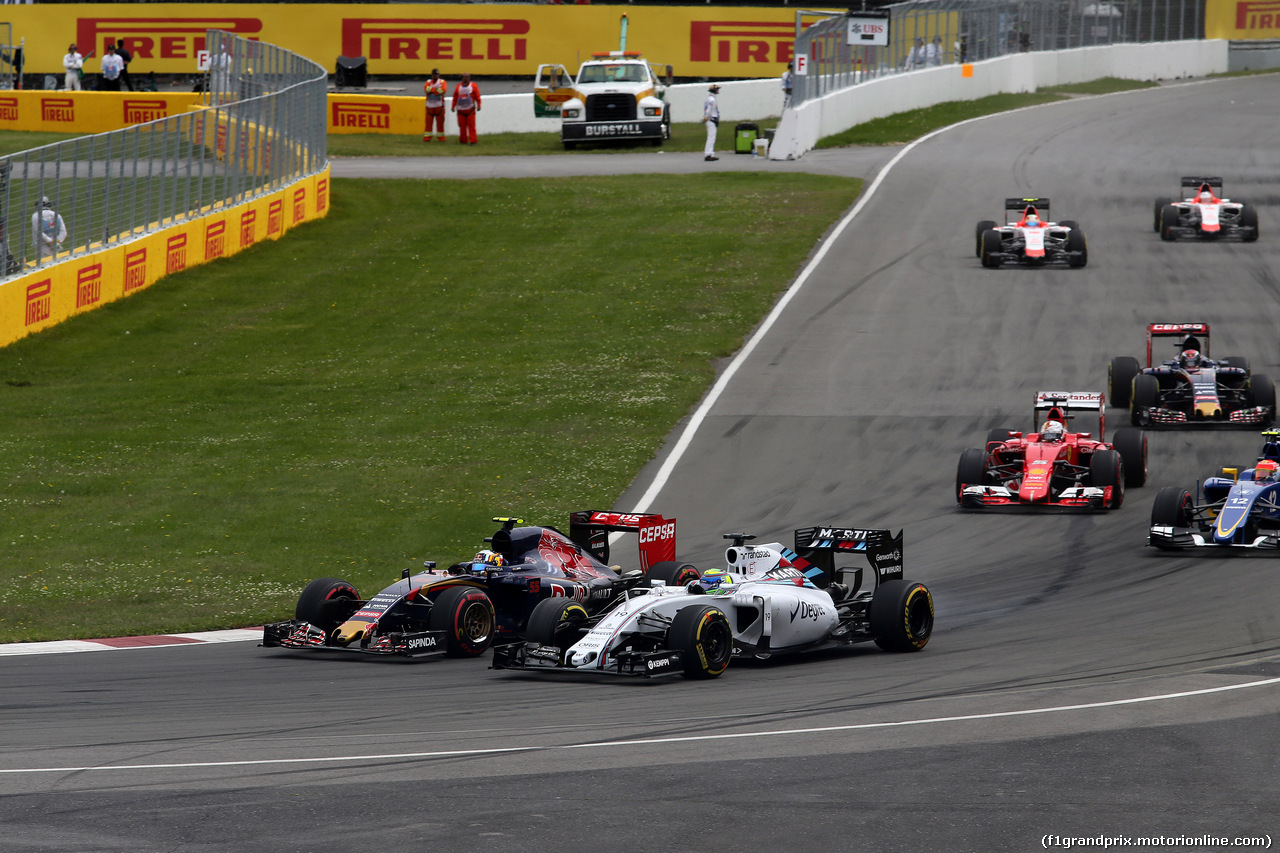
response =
{"points": [[1239, 509]]}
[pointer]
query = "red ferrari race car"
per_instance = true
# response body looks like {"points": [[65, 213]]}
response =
{"points": [[1029, 238], [1053, 468], [1205, 213]]}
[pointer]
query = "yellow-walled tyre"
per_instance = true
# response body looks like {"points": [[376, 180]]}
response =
{"points": [[901, 616]]}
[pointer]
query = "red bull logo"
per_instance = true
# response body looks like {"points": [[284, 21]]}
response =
{"points": [[741, 41], [368, 116], [215, 239], [58, 109], [1258, 15], [175, 254], [8, 109], [140, 111], [159, 38], [275, 217], [88, 285], [247, 221], [434, 38], [135, 270], [39, 301], [299, 204]]}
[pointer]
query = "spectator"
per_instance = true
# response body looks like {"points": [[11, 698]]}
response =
{"points": [[915, 57], [435, 87], [73, 62], [933, 53], [787, 80], [466, 103], [711, 118], [127, 57], [47, 230], [112, 66]]}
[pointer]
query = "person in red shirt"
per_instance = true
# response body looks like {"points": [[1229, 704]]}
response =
{"points": [[466, 103], [436, 88]]}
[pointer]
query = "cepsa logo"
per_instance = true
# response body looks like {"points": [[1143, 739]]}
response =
{"points": [[39, 301], [741, 41], [58, 109], [657, 532], [434, 38], [370, 116], [175, 253], [135, 270], [8, 109], [158, 38], [88, 285], [1264, 15], [140, 111]]}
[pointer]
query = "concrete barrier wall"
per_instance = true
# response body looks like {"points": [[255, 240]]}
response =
{"points": [[801, 128]]}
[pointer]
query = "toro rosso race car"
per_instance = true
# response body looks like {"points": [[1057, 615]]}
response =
{"points": [[769, 600], [1191, 389], [461, 610], [1238, 510], [1204, 213], [1028, 237], [1053, 468]]}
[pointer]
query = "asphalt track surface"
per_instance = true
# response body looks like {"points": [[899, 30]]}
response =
{"points": [[1078, 684]]}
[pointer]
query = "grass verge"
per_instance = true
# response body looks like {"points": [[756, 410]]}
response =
{"points": [[369, 391]]}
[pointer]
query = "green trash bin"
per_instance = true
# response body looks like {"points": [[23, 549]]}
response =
{"points": [[744, 137]]}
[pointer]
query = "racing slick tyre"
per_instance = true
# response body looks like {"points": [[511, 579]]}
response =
{"points": [[901, 616], [972, 470], [703, 635], [1168, 221], [1070, 223], [467, 615], [1131, 444], [1263, 392], [998, 436], [1146, 392], [1158, 208], [327, 603], [1249, 223], [556, 621], [1236, 361], [983, 227], [991, 245], [1106, 468], [1120, 375], [672, 572], [1076, 242], [1172, 508]]}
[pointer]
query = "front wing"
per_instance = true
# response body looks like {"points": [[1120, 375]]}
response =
{"points": [[535, 657], [1076, 498], [297, 634], [1186, 538]]}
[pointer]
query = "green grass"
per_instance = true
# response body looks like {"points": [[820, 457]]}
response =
{"points": [[369, 391], [1247, 72]]}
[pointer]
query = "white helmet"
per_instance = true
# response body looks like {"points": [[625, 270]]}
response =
{"points": [[1052, 431]]}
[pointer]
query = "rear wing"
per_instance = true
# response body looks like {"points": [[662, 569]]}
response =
{"points": [[1188, 336], [1016, 208], [591, 529], [819, 546], [1060, 405], [1196, 183]]}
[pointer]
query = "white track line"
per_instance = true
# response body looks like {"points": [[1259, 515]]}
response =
{"points": [[772, 733]]}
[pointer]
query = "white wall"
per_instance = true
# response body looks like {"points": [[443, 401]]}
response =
{"points": [[801, 128]]}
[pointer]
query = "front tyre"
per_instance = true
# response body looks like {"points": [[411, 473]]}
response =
{"points": [[1169, 215], [1263, 392], [901, 616], [556, 621], [703, 636], [983, 227], [1172, 508], [1106, 468], [1158, 208], [972, 471], [1146, 393], [327, 603], [1078, 246], [1249, 223], [466, 615], [991, 245]]}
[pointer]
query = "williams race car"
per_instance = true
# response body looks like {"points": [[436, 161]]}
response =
{"points": [[1204, 213], [1238, 510], [1053, 468], [769, 600], [1028, 237], [461, 610], [1191, 389]]}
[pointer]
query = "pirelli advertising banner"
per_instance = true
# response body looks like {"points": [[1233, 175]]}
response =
{"points": [[410, 39], [1238, 20], [88, 112]]}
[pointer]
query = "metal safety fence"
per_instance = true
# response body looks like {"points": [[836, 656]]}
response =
{"points": [[923, 33], [260, 127]]}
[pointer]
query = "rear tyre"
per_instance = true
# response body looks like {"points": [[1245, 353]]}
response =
{"points": [[1263, 392], [556, 622], [972, 470], [1168, 220], [1131, 444], [1120, 374], [1249, 220], [1076, 242], [466, 615], [1172, 508], [1146, 392], [1158, 207], [1070, 223], [702, 634], [901, 616], [998, 436], [983, 227], [327, 603], [673, 572], [1236, 361], [991, 244], [1106, 468]]}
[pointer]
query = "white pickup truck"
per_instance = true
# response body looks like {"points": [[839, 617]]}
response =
{"points": [[616, 95]]}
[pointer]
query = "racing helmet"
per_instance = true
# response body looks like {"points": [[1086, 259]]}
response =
{"points": [[487, 558], [712, 580], [1033, 219], [1052, 431], [1266, 470], [1205, 196], [1189, 358]]}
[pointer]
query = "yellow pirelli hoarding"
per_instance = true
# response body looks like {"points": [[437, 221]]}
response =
{"points": [[51, 293], [1239, 20], [87, 112], [411, 39]]}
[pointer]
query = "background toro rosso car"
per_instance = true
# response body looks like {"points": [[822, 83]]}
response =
{"points": [[1202, 212], [1191, 389], [1053, 468], [1028, 237], [1233, 512], [462, 610], [769, 600]]}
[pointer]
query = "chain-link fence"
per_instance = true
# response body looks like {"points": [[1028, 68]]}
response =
{"points": [[939, 32], [262, 128]]}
